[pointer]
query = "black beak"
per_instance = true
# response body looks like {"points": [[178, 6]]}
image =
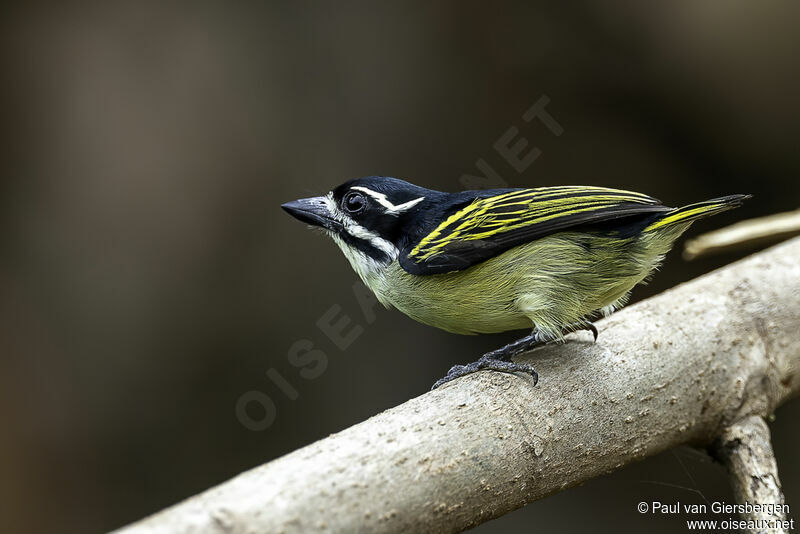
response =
{"points": [[313, 211]]}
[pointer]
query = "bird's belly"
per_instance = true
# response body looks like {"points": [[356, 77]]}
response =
{"points": [[548, 284], [462, 303]]}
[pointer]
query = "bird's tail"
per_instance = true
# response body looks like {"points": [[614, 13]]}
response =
{"points": [[696, 211]]}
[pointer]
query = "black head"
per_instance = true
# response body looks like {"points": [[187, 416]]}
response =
{"points": [[372, 215]]}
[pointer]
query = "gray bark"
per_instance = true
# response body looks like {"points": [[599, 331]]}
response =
{"points": [[675, 369], [746, 450]]}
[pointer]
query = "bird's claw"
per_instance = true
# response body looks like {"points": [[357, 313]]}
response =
{"points": [[500, 359], [490, 364]]}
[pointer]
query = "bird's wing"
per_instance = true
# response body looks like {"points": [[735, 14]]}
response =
{"points": [[491, 225]]}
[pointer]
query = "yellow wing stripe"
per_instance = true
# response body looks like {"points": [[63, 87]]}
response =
{"points": [[681, 215], [502, 227], [537, 205], [534, 215]]}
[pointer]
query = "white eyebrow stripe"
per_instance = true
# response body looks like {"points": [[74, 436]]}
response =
{"points": [[381, 199]]}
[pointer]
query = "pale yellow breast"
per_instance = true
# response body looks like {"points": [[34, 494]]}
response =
{"points": [[549, 283]]}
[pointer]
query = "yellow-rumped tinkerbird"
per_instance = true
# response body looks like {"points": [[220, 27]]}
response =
{"points": [[475, 262]]}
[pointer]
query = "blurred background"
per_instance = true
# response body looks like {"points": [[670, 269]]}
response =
{"points": [[150, 281]]}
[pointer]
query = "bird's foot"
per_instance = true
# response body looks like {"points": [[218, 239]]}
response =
{"points": [[489, 363], [500, 359]]}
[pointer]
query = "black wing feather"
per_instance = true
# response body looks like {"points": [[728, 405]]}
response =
{"points": [[488, 226]]}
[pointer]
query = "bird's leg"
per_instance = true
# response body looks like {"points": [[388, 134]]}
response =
{"points": [[500, 359], [512, 349]]}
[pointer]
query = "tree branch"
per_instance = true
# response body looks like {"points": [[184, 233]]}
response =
{"points": [[746, 450], [745, 234], [674, 369]]}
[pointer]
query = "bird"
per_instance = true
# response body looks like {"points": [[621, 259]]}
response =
{"points": [[544, 259]]}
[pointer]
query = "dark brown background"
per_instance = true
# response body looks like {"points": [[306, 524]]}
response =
{"points": [[149, 278]]}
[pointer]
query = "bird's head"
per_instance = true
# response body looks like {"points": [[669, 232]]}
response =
{"points": [[371, 219]]}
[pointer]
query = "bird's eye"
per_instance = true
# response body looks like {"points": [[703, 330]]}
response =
{"points": [[354, 202]]}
